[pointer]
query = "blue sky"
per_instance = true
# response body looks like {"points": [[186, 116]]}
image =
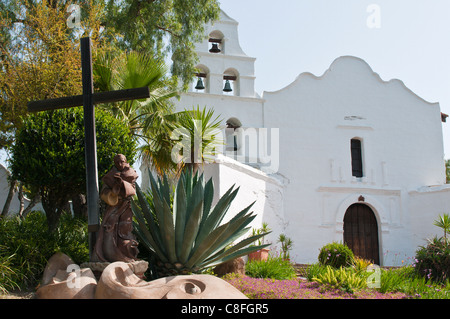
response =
{"points": [[408, 40]]}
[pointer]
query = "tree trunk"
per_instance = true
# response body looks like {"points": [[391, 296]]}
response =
{"points": [[54, 204], [30, 206], [21, 199], [12, 190], [79, 206]]}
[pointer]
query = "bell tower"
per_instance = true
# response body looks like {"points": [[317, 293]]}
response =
{"points": [[225, 77], [224, 68]]}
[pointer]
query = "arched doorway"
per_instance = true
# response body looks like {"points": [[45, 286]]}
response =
{"points": [[361, 232]]}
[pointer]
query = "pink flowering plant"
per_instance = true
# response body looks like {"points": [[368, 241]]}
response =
{"points": [[266, 288]]}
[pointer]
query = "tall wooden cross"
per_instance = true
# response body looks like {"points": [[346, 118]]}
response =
{"points": [[88, 100]]}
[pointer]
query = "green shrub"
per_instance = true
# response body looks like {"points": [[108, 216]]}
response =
{"points": [[433, 260], [27, 246], [274, 268], [313, 270], [336, 255], [48, 156], [345, 279]]}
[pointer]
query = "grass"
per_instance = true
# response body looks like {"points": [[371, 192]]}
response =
{"points": [[406, 280], [274, 268], [26, 245]]}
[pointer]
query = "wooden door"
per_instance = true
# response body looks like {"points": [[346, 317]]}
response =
{"points": [[361, 232]]}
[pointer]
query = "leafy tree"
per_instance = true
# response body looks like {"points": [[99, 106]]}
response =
{"points": [[163, 28], [40, 57], [39, 52], [49, 155]]}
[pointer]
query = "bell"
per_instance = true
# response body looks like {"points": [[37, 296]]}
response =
{"points": [[215, 48], [200, 85], [227, 87]]}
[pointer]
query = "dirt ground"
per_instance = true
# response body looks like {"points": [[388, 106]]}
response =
{"points": [[17, 294]]}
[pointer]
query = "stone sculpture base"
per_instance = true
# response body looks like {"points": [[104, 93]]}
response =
{"points": [[138, 267], [64, 280]]}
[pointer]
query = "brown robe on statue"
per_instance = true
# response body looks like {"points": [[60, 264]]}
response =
{"points": [[115, 240]]}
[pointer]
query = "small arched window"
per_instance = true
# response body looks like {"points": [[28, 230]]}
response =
{"points": [[232, 134], [357, 159]]}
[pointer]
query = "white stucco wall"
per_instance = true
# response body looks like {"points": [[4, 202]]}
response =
{"points": [[425, 205], [248, 110], [254, 186], [4, 190], [402, 150]]}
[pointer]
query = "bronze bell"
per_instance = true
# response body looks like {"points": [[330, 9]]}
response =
{"points": [[200, 85], [215, 48], [227, 87]]}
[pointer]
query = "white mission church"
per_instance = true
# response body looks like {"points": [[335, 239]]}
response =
{"points": [[344, 156]]}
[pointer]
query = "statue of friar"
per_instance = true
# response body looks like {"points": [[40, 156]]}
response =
{"points": [[115, 241]]}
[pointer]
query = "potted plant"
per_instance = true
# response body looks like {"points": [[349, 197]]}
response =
{"points": [[261, 254]]}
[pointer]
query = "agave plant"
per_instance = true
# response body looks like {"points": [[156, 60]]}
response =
{"points": [[183, 232]]}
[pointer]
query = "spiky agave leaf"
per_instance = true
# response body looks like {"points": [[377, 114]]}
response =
{"points": [[191, 236]]}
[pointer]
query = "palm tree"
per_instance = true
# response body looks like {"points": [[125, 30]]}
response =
{"points": [[134, 70], [444, 223], [150, 120], [202, 131]]}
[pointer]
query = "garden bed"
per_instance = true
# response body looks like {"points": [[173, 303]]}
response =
{"points": [[259, 288]]}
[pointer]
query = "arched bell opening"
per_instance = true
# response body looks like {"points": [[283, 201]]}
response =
{"points": [[231, 82], [201, 80], [216, 42]]}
